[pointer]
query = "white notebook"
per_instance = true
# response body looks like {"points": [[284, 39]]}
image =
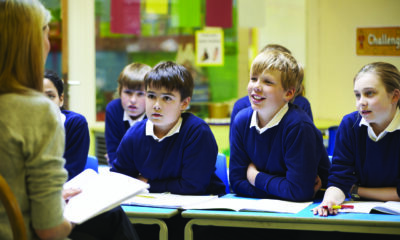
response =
{"points": [[100, 192]]}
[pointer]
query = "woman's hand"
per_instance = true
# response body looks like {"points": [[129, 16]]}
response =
{"points": [[333, 196], [69, 193]]}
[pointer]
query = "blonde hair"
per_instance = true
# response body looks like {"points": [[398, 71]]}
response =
{"points": [[386, 72], [21, 45], [269, 47], [291, 72], [132, 76]]}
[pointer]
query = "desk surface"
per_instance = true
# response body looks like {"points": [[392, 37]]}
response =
{"points": [[149, 212], [304, 220]]}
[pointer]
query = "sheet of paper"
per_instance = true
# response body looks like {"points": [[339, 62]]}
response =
{"points": [[166, 200]]}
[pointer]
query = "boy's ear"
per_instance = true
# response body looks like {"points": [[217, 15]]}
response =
{"points": [[289, 94], [185, 103]]}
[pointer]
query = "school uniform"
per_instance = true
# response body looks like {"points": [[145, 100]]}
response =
{"points": [[76, 142], [288, 152], [360, 157], [183, 162], [116, 124], [244, 102]]}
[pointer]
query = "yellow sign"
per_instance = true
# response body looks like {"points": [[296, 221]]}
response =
{"points": [[380, 41]]}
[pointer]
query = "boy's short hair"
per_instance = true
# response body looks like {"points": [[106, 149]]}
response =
{"points": [[172, 76], [291, 72], [132, 76]]}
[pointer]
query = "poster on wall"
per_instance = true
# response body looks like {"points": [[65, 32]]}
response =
{"points": [[210, 47], [378, 41]]}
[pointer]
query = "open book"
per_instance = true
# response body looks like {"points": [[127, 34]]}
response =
{"points": [[256, 205], [390, 207], [166, 200], [100, 192]]}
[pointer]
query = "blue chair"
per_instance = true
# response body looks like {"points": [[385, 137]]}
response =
{"points": [[222, 171], [92, 163], [332, 136]]}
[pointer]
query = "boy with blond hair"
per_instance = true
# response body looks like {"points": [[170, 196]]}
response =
{"points": [[129, 108], [276, 151]]}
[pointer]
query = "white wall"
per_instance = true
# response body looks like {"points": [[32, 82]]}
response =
{"points": [[285, 24], [331, 50], [81, 50]]}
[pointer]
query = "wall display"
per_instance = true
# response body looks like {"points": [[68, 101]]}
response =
{"points": [[378, 41]]}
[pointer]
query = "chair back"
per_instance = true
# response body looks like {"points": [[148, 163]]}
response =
{"points": [[92, 163], [332, 136], [14, 213], [222, 171]]}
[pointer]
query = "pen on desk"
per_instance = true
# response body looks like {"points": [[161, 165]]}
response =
{"points": [[145, 196], [340, 207]]}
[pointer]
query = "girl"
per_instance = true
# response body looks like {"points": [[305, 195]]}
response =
{"points": [[76, 128], [366, 159]]}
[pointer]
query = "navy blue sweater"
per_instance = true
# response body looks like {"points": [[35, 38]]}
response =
{"points": [[115, 128], [359, 160], [244, 102], [289, 157], [183, 163], [76, 142]]}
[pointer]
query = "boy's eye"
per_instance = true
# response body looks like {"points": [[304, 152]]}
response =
{"points": [[253, 79], [267, 81], [357, 95], [150, 96], [140, 93], [167, 98], [129, 92]]}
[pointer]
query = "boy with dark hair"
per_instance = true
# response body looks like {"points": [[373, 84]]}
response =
{"points": [[172, 151]]}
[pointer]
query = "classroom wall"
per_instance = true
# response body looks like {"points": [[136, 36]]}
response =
{"points": [[320, 33], [331, 60], [322, 36]]}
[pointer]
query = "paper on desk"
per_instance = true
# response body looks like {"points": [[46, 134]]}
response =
{"points": [[166, 200], [256, 205]]}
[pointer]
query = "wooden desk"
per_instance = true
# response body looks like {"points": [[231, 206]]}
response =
{"points": [[150, 215], [304, 220]]}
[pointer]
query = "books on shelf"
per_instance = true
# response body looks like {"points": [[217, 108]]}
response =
{"points": [[100, 193], [256, 205], [213, 202], [390, 207]]}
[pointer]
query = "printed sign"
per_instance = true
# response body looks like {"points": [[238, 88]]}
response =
{"points": [[210, 47], [380, 41]]}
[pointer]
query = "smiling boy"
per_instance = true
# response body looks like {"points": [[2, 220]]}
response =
{"points": [[276, 151], [172, 151]]}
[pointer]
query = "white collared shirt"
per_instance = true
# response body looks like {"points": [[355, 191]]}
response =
{"points": [[393, 126], [174, 130], [130, 120], [274, 121], [63, 118]]}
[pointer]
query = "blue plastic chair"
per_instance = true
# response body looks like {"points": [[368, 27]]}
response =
{"points": [[92, 162], [332, 136], [222, 171]]}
